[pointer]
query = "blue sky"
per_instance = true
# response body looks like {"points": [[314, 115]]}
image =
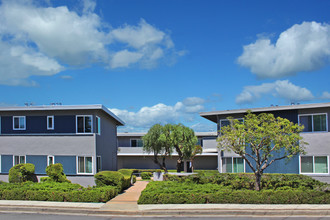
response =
{"points": [[164, 61]]}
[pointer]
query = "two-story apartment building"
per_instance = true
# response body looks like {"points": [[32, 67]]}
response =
{"points": [[131, 155], [82, 138], [315, 118]]}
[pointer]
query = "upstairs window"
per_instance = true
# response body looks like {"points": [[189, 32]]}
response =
{"points": [[19, 123], [225, 122], [84, 124], [314, 122], [98, 125], [50, 122], [136, 143]]}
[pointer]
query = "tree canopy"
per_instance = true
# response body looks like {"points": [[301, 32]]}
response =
{"points": [[163, 140], [261, 140]]}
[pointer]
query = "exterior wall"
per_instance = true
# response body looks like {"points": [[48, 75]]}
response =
{"points": [[37, 148], [106, 143], [146, 162]]}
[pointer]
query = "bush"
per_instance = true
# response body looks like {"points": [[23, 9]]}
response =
{"points": [[56, 174], [146, 175], [110, 178], [22, 173], [168, 192], [134, 179], [128, 179]]}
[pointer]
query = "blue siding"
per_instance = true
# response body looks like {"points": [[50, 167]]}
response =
{"points": [[38, 125], [40, 163], [69, 164], [6, 163]]}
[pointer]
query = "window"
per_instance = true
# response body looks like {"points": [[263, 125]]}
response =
{"points": [[19, 159], [98, 125], [232, 165], [19, 123], [225, 122], [314, 164], [85, 165], [98, 164], [50, 160], [50, 122], [136, 143], [313, 122], [84, 124]]}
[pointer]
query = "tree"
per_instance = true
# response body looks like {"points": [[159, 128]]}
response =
{"points": [[158, 142], [261, 140], [190, 155], [184, 142]]}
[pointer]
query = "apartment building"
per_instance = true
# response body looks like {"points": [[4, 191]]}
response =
{"points": [[315, 118], [83, 138]]}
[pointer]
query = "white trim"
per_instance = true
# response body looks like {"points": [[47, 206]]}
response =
{"points": [[48, 159], [312, 114], [19, 158], [0, 134], [0, 163], [98, 125], [52, 117], [327, 156], [19, 125], [77, 165], [91, 116]]}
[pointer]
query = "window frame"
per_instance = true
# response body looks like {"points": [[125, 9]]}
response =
{"points": [[84, 116], [77, 165], [48, 127], [312, 114], [313, 156], [232, 164], [137, 139], [19, 125], [50, 156], [19, 156]]}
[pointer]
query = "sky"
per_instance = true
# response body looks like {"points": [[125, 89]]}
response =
{"points": [[157, 61]]}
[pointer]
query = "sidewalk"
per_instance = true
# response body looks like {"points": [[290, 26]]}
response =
{"points": [[126, 204]]}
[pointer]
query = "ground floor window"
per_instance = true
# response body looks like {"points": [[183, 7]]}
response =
{"points": [[85, 165], [314, 164], [232, 165], [19, 159], [50, 160]]}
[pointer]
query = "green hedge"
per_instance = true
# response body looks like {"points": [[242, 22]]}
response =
{"points": [[128, 177], [22, 173], [247, 180], [146, 175], [56, 192], [168, 192], [55, 173], [110, 178]]}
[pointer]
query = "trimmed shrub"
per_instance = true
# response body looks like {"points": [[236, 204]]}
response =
{"points": [[56, 174], [134, 179], [128, 180], [146, 175], [22, 173], [110, 178]]}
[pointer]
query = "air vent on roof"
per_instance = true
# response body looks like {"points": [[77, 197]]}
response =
{"points": [[55, 103], [28, 103]]}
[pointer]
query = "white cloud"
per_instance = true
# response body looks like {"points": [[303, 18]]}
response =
{"points": [[281, 88], [52, 38], [303, 47], [160, 113], [325, 95]]}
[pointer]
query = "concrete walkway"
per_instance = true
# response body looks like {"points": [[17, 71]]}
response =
{"points": [[127, 201]]}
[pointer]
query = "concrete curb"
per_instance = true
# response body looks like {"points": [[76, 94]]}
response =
{"points": [[174, 210]]}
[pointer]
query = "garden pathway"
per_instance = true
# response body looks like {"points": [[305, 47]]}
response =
{"points": [[127, 201]]}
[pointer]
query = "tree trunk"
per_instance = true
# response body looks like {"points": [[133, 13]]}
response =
{"points": [[258, 180], [161, 166], [179, 166]]}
